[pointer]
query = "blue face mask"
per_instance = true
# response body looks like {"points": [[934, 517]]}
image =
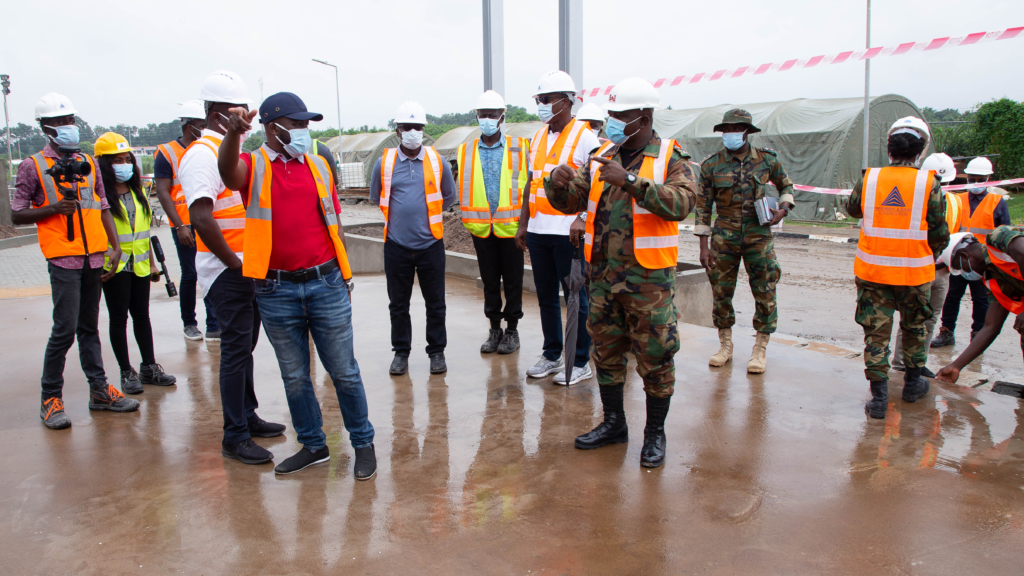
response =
{"points": [[969, 274], [123, 172], [544, 112], [489, 126], [615, 129], [300, 141], [66, 135], [733, 140]]}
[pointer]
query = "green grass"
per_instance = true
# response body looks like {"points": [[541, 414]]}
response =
{"points": [[1015, 202]]}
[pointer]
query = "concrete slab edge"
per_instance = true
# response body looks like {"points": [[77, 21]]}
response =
{"points": [[19, 241], [822, 237]]}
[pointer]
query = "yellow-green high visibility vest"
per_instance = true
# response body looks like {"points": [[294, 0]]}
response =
{"points": [[476, 212], [134, 240]]}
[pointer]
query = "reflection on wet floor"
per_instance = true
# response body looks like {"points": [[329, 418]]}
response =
{"points": [[780, 473]]}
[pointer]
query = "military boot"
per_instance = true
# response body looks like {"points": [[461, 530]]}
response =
{"points": [[613, 429], [914, 386], [724, 353], [879, 402], [757, 356], [653, 453]]}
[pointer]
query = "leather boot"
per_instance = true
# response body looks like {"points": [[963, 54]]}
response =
{"points": [[913, 385], [879, 402], [724, 353], [757, 356], [653, 453], [613, 429]]}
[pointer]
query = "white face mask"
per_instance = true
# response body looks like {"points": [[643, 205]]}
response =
{"points": [[412, 139]]}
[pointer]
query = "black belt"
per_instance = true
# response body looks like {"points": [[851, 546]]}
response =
{"points": [[302, 276]]}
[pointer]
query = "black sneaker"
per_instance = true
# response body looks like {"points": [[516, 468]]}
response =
{"points": [[247, 452], [945, 337], [510, 343], [193, 333], [366, 463], [437, 364], [263, 429], [400, 365], [213, 335], [52, 414], [154, 374], [303, 459], [493, 340], [110, 398], [130, 382]]}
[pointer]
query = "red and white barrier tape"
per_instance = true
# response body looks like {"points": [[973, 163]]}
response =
{"points": [[847, 192], [848, 56]]}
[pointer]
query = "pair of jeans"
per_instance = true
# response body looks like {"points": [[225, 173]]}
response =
{"points": [[187, 286], [551, 258], [76, 311], [979, 298], [125, 293], [501, 263], [401, 267], [234, 300], [321, 307]]}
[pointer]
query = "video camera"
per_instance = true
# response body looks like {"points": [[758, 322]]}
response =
{"points": [[65, 170]]}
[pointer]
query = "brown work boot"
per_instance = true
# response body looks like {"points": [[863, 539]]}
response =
{"points": [[724, 353], [757, 360]]}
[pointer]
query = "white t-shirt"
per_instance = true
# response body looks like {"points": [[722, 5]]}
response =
{"points": [[546, 223], [200, 179]]}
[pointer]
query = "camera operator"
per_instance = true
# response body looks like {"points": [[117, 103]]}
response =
{"points": [[74, 222]]}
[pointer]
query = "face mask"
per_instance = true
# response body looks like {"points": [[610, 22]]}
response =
{"points": [[615, 129], [123, 172], [544, 112], [489, 126], [66, 135], [196, 133], [300, 141], [241, 137], [976, 189], [596, 131], [733, 140], [970, 275], [412, 139]]}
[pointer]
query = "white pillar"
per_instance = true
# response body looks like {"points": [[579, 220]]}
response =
{"points": [[570, 41], [494, 46]]}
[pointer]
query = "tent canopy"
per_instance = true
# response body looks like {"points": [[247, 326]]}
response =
{"points": [[367, 147], [449, 142]]}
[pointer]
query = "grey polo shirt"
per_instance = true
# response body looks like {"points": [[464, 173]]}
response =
{"points": [[408, 221]]}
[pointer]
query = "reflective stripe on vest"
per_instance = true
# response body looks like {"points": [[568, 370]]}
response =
{"points": [[893, 246], [542, 162], [476, 210], [982, 220], [227, 208], [432, 171], [954, 212], [53, 232], [134, 240], [173, 152]]}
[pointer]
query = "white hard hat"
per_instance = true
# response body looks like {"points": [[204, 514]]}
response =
{"points": [[946, 257], [633, 94], [980, 166], [555, 81], [192, 109], [410, 113], [490, 100], [53, 105], [590, 111], [910, 125], [224, 86], [943, 166]]}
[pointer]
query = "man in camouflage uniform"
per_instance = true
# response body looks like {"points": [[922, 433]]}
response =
{"points": [[733, 179], [631, 306]]}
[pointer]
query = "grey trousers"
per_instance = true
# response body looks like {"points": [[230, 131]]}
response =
{"points": [[76, 310], [939, 288]]}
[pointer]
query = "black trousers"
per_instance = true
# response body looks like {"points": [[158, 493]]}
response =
{"points": [[979, 299], [125, 293], [501, 263], [76, 310], [401, 267], [234, 302]]}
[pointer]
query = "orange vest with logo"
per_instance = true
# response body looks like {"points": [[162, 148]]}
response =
{"points": [[655, 241], [173, 152], [983, 220], [893, 247], [259, 215], [432, 170], [228, 210], [543, 162], [954, 212], [53, 231], [1009, 266]]}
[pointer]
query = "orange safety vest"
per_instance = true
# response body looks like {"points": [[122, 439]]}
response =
{"points": [[258, 215], [53, 231], [543, 162], [954, 212], [432, 187], [982, 220], [228, 210], [655, 241], [173, 152], [1008, 265], [893, 246]]}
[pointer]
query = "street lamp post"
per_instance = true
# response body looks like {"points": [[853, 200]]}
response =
{"points": [[867, 91], [337, 91], [5, 85]]}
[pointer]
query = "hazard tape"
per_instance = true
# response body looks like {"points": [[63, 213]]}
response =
{"points": [[842, 57], [847, 192], [986, 184]]}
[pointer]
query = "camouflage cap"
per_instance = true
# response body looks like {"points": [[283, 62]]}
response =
{"points": [[738, 116]]}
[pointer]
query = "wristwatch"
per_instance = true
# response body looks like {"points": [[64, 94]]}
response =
{"points": [[583, 216], [631, 179], [351, 285]]}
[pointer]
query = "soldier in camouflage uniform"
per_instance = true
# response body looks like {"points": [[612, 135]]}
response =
{"points": [[732, 179], [878, 301], [631, 306]]}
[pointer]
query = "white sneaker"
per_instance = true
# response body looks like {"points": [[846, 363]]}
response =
{"points": [[579, 374], [543, 367]]}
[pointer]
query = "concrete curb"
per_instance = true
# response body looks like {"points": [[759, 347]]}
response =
{"points": [[19, 241], [822, 237]]}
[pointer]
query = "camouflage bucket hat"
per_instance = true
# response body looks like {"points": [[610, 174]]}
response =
{"points": [[738, 116]]}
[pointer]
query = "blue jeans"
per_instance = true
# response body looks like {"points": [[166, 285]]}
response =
{"points": [[187, 287], [322, 307], [551, 258]]}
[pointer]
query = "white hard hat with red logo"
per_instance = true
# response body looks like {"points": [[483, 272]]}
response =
{"points": [[633, 94], [943, 166]]}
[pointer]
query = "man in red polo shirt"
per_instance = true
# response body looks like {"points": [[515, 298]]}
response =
{"points": [[295, 253]]}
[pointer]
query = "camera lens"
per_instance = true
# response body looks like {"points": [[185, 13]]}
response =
{"points": [[84, 168]]}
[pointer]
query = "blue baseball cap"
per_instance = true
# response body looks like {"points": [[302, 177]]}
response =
{"points": [[288, 105]]}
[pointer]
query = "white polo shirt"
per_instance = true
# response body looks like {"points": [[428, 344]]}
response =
{"points": [[547, 223]]}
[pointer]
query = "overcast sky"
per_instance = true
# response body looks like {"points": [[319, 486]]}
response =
{"points": [[132, 62]]}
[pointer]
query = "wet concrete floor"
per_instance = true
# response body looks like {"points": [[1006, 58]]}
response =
{"points": [[773, 474]]}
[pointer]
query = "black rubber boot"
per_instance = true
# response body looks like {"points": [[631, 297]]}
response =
{"points": [[653, 453], [913, 385], [879, 402], [613, 429]]}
